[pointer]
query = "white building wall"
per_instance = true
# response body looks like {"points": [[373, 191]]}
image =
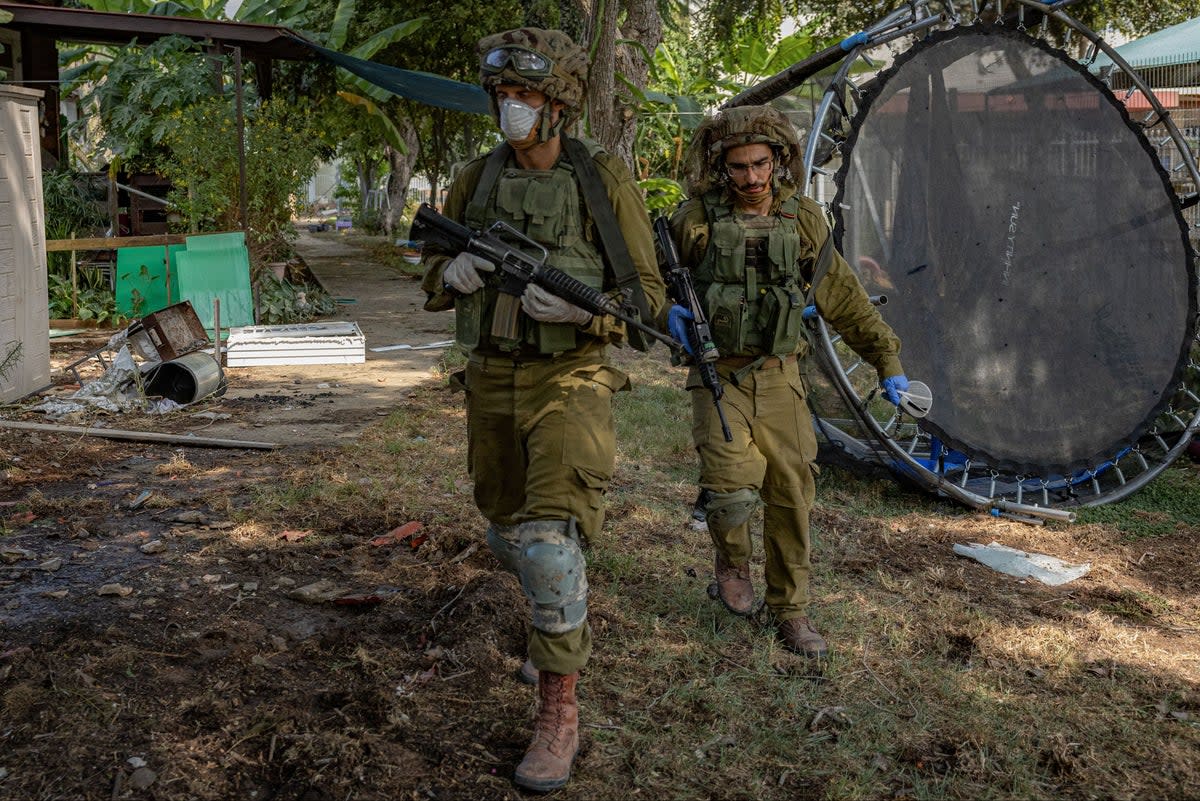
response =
{"points": [[24, 299], [323, 184]]}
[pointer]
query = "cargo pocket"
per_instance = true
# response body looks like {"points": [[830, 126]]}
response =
{"points": [[590, 444], [728, 316], [595, 487], [729, 244], [779, 317], [806, 438], [543, 208]]}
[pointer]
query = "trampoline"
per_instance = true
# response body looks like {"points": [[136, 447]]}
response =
{"points": [[1033, 250]]}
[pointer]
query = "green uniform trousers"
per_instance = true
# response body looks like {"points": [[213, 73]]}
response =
{"points": [[772, 453], [541, 446]]}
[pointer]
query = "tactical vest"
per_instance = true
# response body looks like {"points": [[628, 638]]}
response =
{"points": [[544, 205], [753, 280]]}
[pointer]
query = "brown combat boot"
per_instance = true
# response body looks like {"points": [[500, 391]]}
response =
{"points": [[547, 762], [799, 636], [734, 587]]}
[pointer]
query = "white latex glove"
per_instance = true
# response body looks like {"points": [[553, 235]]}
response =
{"points": [[544, 307], [462, 273]]}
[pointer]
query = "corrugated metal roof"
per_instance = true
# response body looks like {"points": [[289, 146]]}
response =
{"points": [[1178, 44]]}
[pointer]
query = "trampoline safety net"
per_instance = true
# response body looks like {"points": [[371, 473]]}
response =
{"points": [[1034, 256]]}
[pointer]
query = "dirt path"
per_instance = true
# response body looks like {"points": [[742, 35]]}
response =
{"points": [[323, 405]]}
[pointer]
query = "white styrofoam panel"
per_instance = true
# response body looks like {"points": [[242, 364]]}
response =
{"points": [[296, 330], [281, 360], [305, 343]]}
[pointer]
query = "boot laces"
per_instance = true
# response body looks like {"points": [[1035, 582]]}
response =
{"points": [[550, 721]]}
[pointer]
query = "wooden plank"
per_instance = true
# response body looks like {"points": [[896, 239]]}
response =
{"points": [[113, 242], [144, 436]]}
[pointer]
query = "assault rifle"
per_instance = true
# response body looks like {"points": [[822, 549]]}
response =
{"points": [[516, 267], [704, 351]]}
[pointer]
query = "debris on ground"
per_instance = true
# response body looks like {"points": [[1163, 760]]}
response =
{"points": [[1010, 561]]}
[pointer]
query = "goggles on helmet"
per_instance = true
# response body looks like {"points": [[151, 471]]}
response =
{"points": [[526, 63]]}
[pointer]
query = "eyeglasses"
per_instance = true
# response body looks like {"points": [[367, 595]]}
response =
{"points": [[739, 168], [525, 62]]}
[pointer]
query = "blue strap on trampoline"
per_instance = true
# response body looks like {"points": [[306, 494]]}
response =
{"points": [[851, 42]]}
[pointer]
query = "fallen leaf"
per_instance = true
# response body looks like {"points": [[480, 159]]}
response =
{"points": [[400, 534], [292, 535]]}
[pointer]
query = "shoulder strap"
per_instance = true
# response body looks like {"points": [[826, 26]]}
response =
{"points": [[820, 267], [486, 183], [715, 206], [612, 242]]}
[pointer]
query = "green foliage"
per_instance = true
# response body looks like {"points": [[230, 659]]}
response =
{"points": [[837, 18], [143, 87], [69, 211], [682, 88], [281, 154], [281, 302], [368, 221], [68, 206], [90, 302], [446, 48], [662, 195]]}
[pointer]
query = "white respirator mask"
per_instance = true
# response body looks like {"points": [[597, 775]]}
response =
{"points": [[517, 119]]}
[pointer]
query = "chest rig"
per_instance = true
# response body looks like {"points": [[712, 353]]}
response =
{"points": [[754, 278], [544, 205]]}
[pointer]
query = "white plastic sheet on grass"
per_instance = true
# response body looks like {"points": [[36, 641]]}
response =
{"points": [[1046, 569]]}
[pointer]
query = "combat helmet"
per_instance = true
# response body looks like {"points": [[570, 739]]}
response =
{"points": [[545, 60], [741, 125]]}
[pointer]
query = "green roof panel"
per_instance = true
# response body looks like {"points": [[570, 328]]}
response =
{"points": [[1178, 44]]}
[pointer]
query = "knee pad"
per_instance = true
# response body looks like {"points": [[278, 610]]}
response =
{"points": [[505, 544], [552, 574], [727, 510]]}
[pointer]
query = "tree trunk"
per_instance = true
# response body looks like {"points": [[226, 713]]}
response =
{"points": [[366, 179], [401, 175], [613, 121]]}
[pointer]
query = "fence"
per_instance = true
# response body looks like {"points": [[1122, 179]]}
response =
{"points": [[1177, 87]]}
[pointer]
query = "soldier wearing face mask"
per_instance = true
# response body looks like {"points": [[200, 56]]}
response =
{"points": [[539, 384]]}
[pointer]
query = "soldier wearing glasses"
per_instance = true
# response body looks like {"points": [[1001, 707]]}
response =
{"points": [[539, 383], [756, 247]]}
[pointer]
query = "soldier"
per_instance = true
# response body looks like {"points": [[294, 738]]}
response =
{"points": [[538, 382], [755, 247]]}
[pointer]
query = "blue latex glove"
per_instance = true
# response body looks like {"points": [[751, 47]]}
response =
{"points": [[892, 387], [677, 319], [809, 312]]}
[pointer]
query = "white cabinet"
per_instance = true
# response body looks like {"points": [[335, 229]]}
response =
{"points": [[24, 302]]}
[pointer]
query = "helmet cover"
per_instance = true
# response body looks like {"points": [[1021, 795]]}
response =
{"points": [[704, 164], [567, 80]]}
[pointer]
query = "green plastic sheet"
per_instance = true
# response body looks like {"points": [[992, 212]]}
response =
{"points": [[217, 267], [146, 280]]}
